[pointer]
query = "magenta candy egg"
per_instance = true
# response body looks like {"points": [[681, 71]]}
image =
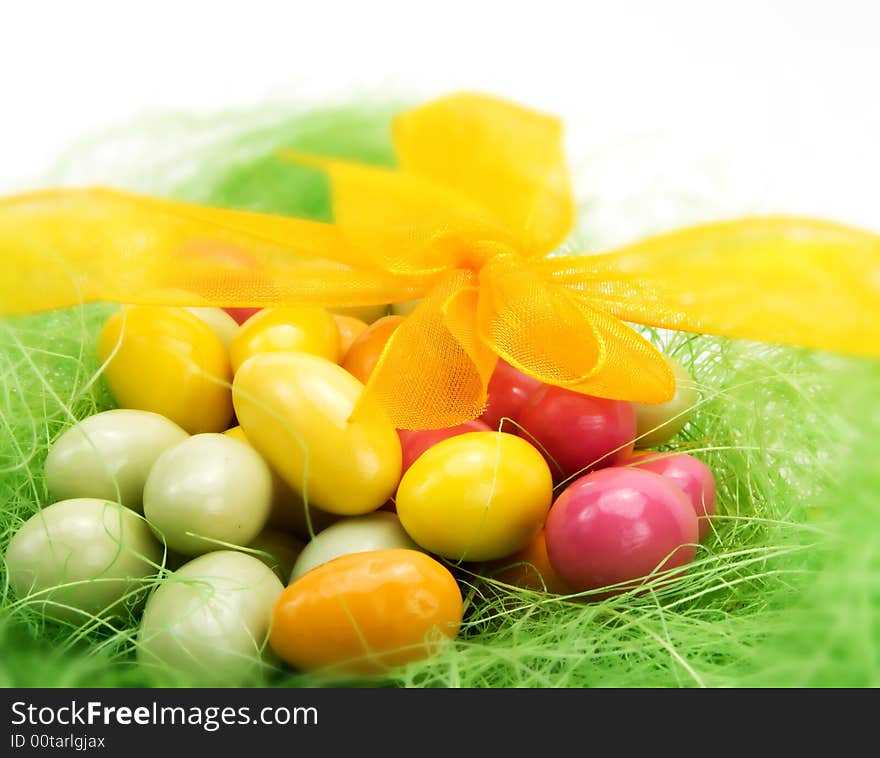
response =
{"points": [[578, 433], [690, 475], [415, 442], [618, 525], [508, 390]]}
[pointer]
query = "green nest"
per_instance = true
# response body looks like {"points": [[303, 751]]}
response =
{"points": [[783, 592]]}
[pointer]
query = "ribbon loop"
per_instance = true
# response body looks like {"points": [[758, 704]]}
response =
{"points": [[554, 335], [780, 279], [501, 156]]}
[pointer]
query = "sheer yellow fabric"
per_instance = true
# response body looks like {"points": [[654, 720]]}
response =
{"points": [[481, 197], [402, 223], [63, 247], [504, 158], [778, 279]]}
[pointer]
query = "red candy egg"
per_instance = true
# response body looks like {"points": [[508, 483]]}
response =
{"points": [[690, 475], [509, 388], [618, 525], [242, 314], [415, 442], [578, 433]]}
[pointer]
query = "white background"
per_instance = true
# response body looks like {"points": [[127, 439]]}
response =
{"points": [[777, 103]]}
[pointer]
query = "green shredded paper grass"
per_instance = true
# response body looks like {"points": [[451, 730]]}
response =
{"points": [[784, 591]]}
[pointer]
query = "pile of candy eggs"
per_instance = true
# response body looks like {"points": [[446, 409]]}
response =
{"points": [[248, 503]]}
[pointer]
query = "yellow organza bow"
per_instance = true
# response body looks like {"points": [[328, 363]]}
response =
{"points": [[480, 198]]}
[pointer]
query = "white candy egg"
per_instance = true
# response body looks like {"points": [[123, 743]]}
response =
{"points": [[219, 321], [375, 531], [109, 455], [657, 423], [81, 558], [209, 620], [207, 491]]}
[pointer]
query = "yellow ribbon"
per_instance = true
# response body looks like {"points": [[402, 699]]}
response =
{"points": [[480, 198]]}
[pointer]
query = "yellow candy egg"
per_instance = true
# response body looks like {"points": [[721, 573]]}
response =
{"points": [[365, 612], [296, 410], [295, 328], [476, 496], [168, 361]]}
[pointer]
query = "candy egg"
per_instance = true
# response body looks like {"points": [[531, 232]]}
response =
{"points": [[366, 612], [475, 496], [365, 351], [618, 525], [356, 534], [350, 328], [81, 558], [508, 390], [657, 423], [690, 475], [414, 442], [578, 432], [294, 328], [208, 490], [530, 569], [298, 412], [209, 620], [220, 322], [288, 510], [109, 455], [240, 315], [168, 361], [367, 313]]}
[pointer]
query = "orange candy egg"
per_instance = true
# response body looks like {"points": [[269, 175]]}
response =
{"points": [[530, 569], [350, 328], [363, 355], [366, 612]]}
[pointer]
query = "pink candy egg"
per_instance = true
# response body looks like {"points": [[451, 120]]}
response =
{"points": [[509, 388], [618, 525], [578, 433], [415, 442], [690, 475]]}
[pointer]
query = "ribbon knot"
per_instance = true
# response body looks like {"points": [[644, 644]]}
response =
{"points": [[484, 252], [466, 222]]}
